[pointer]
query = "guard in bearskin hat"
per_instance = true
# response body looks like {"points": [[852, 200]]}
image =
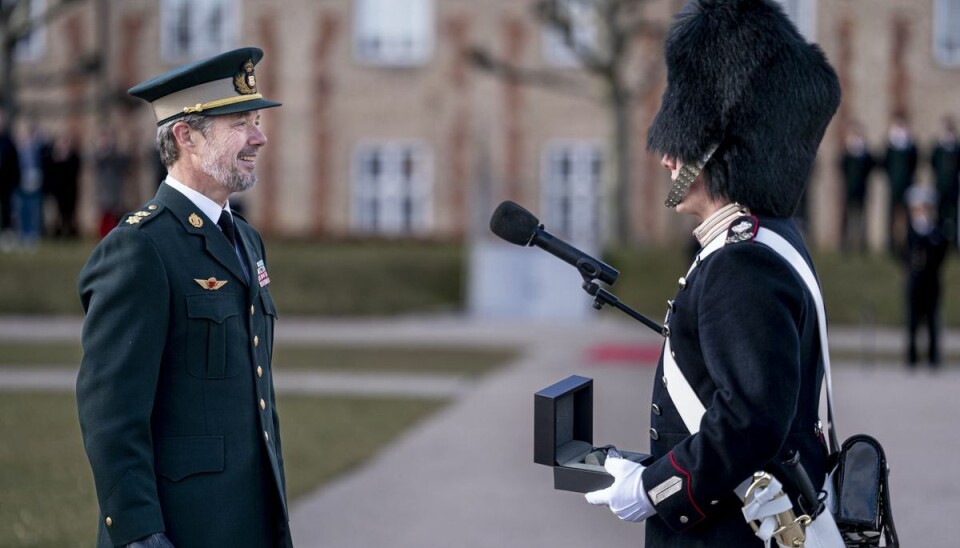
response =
{"points": [[747, 102]]}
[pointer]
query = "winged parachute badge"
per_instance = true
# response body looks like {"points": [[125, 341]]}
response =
{"points": [[212, 284]]}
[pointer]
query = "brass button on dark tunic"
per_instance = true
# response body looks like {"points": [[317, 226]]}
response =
{"points": [[256, 340], [263, 404], [654, 435], [656, 409], [259, 371]]}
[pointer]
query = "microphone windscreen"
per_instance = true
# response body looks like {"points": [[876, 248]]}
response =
{"points": [[513, 223]]}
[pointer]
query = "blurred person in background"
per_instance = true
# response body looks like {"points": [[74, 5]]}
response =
{"points": [[63, 179], [945, 161], [32, 149], [110, 167], [900, 163], [747, 102], [924, 255], [175, 392], [9, 182], [856, 163]]}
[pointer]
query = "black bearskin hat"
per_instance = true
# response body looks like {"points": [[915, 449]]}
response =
{"points": [[740, 75]]}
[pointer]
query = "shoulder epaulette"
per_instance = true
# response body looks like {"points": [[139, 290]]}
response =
{"points": [[743, 229], [146, 213]]}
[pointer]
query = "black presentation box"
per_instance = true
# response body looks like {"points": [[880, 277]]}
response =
{"points": [[563, 435]]}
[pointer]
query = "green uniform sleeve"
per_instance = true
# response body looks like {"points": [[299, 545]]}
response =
{"points": [[125, 294]]}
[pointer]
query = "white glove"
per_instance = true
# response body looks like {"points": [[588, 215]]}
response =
{"points": [[626, 497], [156, 540]]}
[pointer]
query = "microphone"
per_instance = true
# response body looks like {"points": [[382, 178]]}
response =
{"points": [[518, 226]]}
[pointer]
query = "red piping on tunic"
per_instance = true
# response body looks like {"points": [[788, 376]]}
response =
{"points": [[689, 484]]}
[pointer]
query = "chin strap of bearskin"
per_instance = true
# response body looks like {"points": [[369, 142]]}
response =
{"points": [[687, 175]]}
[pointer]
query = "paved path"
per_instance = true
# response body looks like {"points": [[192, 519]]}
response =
{"points": [[61, 379], [465, 476]]}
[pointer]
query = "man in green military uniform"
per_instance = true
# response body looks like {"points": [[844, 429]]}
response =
{"points": [[175, 392]]}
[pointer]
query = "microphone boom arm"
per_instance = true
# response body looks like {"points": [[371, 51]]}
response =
{"points": [[602, 296]]}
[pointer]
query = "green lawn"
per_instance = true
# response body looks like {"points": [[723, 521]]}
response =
{"points": [[466, 361], [858, 290], [64, 354], [46, 490], [318, 278], [306, 277], [471, 362]]}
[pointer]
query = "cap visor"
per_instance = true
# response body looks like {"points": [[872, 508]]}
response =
{"points": [[245, 106]]}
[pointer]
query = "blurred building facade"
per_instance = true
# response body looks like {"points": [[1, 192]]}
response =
{"points": [[388, 130]]}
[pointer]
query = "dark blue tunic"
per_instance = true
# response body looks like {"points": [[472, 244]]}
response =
{"points": [[744, 334], [175, 391]]}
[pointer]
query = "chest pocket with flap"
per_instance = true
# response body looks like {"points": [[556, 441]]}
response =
{"points": [[214, 334]]}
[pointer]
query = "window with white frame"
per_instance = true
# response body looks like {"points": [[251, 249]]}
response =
{"points": [[392, 188], [572, 176], [33, 45], [584, 32], [194, 29], [946, 32], [803, 13], [393, 32]]}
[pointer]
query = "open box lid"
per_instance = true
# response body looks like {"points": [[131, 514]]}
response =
{"points": [[563, 419]]}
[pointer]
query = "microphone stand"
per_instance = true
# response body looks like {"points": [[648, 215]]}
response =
{"points": [[602, 296]]}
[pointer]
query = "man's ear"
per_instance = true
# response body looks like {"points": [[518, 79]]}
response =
{"points": [[185, 136]]}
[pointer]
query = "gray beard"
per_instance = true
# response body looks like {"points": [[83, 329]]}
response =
{"points": [[231, 179]]}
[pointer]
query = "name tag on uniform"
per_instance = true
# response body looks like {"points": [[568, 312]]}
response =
{"points": [[262, 275]]}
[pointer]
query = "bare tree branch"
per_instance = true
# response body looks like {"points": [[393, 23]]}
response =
{"points": [[554, 15], [552, 80], [22, 29], [612, 29]]}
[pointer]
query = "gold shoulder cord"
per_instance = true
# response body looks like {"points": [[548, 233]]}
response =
{"points": [[200, 107]]}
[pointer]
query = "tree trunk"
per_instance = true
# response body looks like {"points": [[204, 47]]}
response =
{"points": [[7, 83], [619, 108]]}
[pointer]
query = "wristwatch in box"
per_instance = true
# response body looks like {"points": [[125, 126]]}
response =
{"points": [[563, 437]]}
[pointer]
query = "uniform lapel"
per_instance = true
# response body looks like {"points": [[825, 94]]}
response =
{"points": [[244, 242], [216, 243]]}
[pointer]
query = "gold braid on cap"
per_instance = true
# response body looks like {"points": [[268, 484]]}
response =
{"points": [[200, 107]]}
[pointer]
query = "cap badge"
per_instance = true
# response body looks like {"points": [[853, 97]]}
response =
{"points": [[195, 220], [212, 284], [245, 81]]}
